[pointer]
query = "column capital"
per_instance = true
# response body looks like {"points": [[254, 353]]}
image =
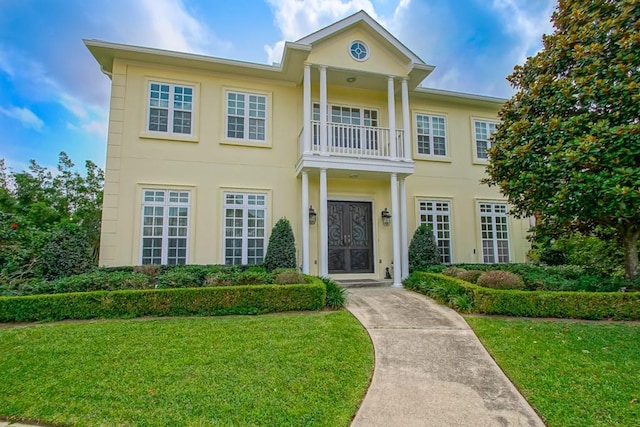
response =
{"points": [[391, 78], [323, 67]]}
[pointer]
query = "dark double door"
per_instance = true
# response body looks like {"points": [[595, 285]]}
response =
{"points": [[350, 237]]}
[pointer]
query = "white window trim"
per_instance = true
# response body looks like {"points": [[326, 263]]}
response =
{"points": [[165, 223], [435, 231], [366, 46], [246, 138], [171, 109], [431, 156], [244, 207], [493, 215], [474, 120]]}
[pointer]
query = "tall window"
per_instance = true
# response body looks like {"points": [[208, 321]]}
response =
{"points": [[246, 116], [437, 214], [165, 227], [431, 135], [244, 228], [495, 234], [483, 131], [170, 108]]}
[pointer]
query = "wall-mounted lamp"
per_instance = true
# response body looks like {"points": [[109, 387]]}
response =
{"points": [[312, 215], [386, 217]]}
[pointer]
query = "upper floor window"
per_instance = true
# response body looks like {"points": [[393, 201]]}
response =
{"points": [[170, 108], [246, 116], [358, 50], [431, 135], [482, 132]]}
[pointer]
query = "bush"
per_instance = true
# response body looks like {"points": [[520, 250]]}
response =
{"points": [[453, 271], [336, 295], [185, 276], [470, 276], [164, 302], [287, 277], [281, 251], [498, 279], [572, 305], [98, 281], [66, 252], [423, 251]]}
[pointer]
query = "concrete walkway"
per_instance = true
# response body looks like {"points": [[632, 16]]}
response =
{"points": [[430, 368]]}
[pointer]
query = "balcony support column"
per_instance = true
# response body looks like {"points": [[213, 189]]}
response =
{"points": [[306, 109], [305, 222], [404, 228], [323, 218], [395, 225], [323, 110], [406, 120], [391, 98]]}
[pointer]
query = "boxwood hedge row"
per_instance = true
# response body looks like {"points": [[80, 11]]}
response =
{"points": [[255, 299], [574, 305]]}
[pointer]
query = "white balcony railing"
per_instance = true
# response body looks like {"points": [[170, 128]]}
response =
{"points": [[356, 141]]}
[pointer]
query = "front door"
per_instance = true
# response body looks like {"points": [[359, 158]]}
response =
{"points": [[350, 237]]}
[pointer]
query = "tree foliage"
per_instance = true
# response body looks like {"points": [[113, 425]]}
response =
{"points": [[568, 149], [281, 251], [49, 221], [423, 250]]}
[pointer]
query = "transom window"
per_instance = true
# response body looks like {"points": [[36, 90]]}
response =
{"points": [[437, 214], [482, 132], [244, 228], [165, 227], [431, 135], [358, 50], [170, 108], [495, 233], [246, 116]]}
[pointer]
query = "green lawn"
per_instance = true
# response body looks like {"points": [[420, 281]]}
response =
{"points": [[574, 373], [293, 369]]}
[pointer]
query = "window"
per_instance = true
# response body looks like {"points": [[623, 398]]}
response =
{"points": [[246, 116], [437, 214], [165, 226], [244, 228], [483, 131], [358, 50], [495, 235], [170, 108], [360, 125], [431, 137]]}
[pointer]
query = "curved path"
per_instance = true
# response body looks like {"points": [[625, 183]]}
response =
{"points": [[430, 368]]}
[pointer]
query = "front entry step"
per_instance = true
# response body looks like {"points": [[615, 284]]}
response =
{"points": [[364, 283]]}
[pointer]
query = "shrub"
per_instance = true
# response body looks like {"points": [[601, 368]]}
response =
{"points": [[287, 277], [423, 251], [336, 295], [498, 279], [253, 278], [164, 302], [184, 276], [152, 271], [281, 251], [470, 276], [573, 305], [66, 252], [453, 271], [96, 281]]}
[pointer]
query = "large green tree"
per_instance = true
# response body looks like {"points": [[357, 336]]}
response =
{"points": [[568, 149]]}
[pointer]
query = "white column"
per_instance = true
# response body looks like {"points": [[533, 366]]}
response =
{"points": [[323, 110], [305, 222], [306, 109], [406, 119], [404, 238], [324, 226], [395, 222], [391, 99]]}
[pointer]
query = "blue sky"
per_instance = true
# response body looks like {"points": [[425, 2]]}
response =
{"points": [[54, 98]]}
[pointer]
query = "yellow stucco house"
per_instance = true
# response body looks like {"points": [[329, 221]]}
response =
{"points": [[205, 154]]}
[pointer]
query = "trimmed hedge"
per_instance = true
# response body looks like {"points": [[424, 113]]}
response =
{"points": [[572, 305], [165, 302]]}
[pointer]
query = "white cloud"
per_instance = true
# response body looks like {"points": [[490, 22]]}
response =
{"points": [[298, 18], [25, 116], [527, 21]]}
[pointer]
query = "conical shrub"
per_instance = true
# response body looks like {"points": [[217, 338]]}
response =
{"points": [[423, 250], [281, 251]]}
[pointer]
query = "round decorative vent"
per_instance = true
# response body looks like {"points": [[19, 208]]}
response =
{"points": [[358, 50]]}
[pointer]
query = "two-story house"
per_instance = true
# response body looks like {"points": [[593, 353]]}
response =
{"points": [[205, 154]]}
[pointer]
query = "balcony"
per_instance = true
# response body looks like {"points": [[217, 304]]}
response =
{"points": [[355, 147]]}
